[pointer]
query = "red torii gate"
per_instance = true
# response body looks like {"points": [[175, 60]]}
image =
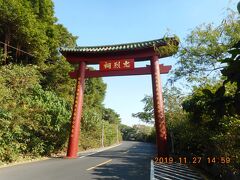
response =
{"points": [[118, 60]]}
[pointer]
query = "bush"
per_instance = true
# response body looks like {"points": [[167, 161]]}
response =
{"points": [[36, 122], [33, 121], [92, 126], [205, 132]]}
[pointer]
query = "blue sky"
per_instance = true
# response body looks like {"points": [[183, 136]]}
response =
{"points": [[101, 22]]}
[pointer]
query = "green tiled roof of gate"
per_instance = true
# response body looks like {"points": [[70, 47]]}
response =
{"points": [[118, 47]]}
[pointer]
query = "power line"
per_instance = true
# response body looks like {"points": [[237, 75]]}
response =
{"points": [[17, 49]]}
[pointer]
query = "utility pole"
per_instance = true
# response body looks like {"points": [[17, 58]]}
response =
{"points": [[102, 134], [117, 134]]}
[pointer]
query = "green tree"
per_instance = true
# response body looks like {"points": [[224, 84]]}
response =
{"points": [[111, 116], [31, 26], [138, 133], [172, 106], [212, 109], [33, 121], [232, 74], [20, 28], [204, 48], [36, 91], [148, 114], [56, 78], [95, 90]]}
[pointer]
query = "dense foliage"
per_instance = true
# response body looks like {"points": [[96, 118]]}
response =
{"points": [[36, 92], [172, 106], [138, 133], [30, 26], [203, 49], [206, 122], [33, 121]]}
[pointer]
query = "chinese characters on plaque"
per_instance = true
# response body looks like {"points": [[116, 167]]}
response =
{"points": [[115, 65]]}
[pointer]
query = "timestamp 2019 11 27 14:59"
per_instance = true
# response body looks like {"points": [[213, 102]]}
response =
{"points": [[193, 160]]}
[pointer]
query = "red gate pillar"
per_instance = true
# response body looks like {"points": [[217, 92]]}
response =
{"points": [[77, 112], [161, 133]]}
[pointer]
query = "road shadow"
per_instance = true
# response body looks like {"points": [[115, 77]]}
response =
{"points": [[133, 164]]}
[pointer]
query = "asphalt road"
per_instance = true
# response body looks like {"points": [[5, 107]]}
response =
{"points": [[130, 161]]}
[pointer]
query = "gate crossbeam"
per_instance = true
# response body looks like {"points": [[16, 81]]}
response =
{"points": [[136, 71]]}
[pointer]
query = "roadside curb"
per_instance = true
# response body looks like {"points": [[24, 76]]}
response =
{"points": [[98, 150], [91, 151], [24, 162]]}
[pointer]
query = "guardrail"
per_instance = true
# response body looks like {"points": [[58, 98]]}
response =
{"points": [[164, 171]]}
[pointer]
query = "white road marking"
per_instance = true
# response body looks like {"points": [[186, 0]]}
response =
{"points": [[99, 165]]}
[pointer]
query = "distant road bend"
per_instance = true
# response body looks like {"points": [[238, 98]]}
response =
{"points": [[128, 161]]}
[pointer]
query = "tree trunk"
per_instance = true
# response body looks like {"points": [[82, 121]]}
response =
{"points": [[18, 52], [7, 41]]}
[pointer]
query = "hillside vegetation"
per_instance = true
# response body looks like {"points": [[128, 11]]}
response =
{"points": [[205, 122], [36, 92]]}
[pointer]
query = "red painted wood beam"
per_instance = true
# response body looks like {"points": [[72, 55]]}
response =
{"points": [[137, 55], [77, 113], [160, 124], [136, 71]]}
